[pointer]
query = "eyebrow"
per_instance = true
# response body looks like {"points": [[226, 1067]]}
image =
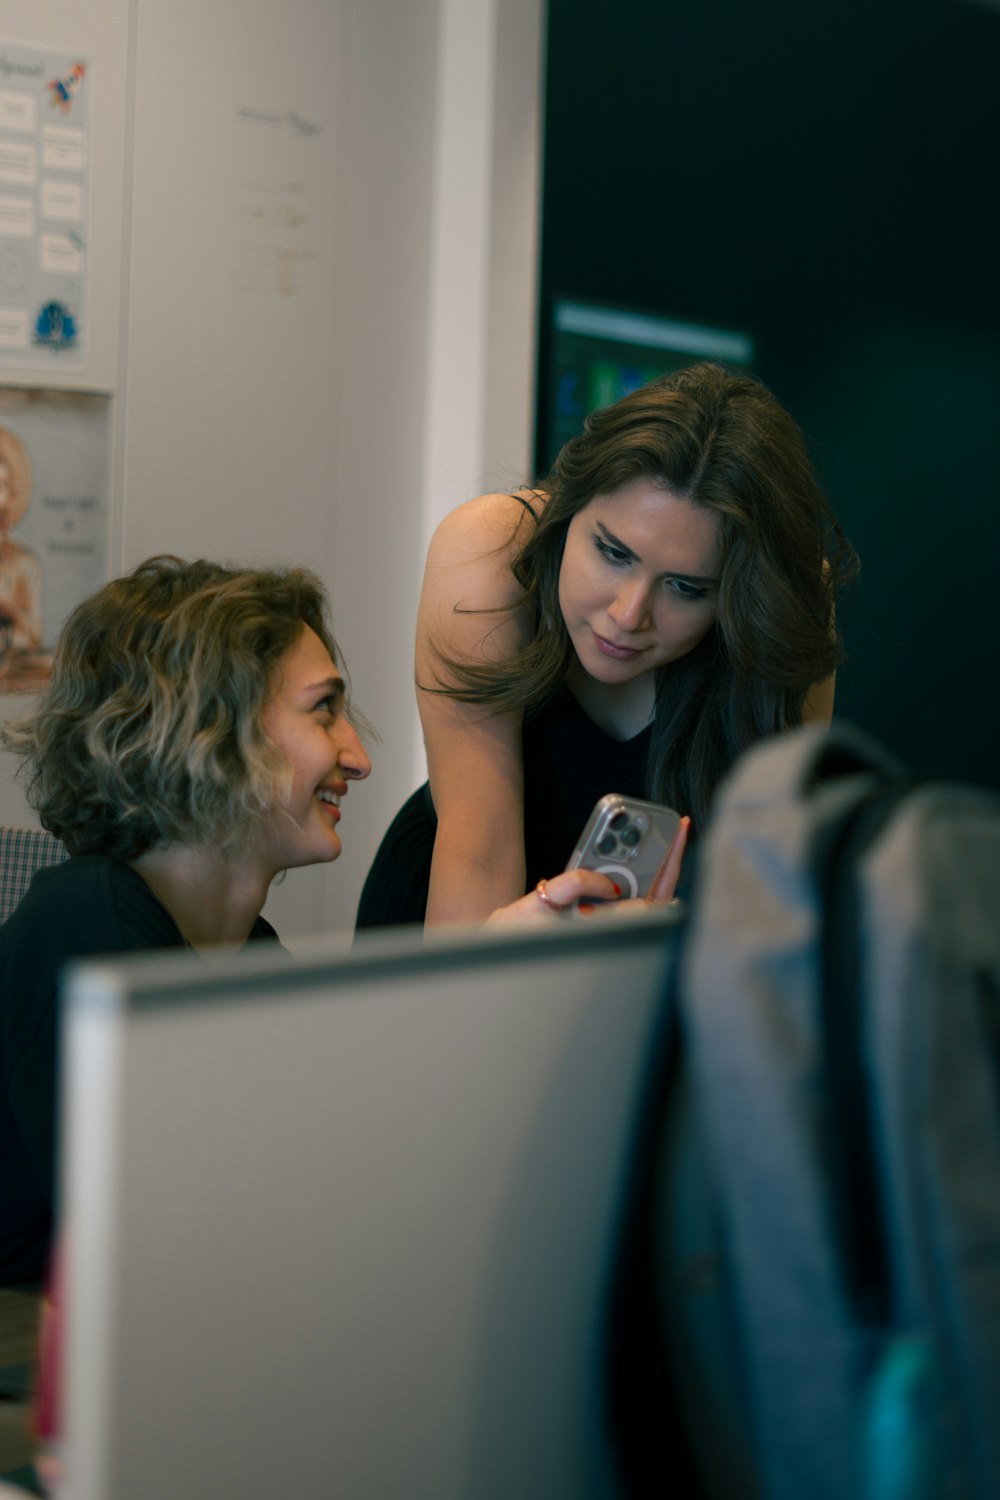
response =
{"points": [[329, 685], [614, 541]]}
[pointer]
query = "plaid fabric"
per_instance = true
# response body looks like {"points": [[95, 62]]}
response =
{"points": [[22, 852]]}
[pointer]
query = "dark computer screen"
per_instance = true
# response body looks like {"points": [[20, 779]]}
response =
{"points": [[595, 353]]}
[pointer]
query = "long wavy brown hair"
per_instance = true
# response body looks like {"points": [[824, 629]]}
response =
{"points": [[724, 442]]}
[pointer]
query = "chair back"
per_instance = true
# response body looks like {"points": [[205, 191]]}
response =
{"points": [[22, 852]]}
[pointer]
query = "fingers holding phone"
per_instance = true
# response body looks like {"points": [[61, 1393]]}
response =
{"points": [[639, 845], [573, 890], [664, 883], [627, 859]]}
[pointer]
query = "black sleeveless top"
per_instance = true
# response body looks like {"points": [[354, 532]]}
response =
{"points": [[569, 763]]}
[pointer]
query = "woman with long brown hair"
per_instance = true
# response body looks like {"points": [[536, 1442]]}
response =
{"points": [[663, 601]]}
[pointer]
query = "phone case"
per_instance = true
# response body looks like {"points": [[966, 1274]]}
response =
{"points": [[626, 839]]}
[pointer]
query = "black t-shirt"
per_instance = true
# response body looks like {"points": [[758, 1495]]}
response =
{"points": [[85, 907]]}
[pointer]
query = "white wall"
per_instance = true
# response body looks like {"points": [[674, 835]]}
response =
{"points": [[320, 331]]}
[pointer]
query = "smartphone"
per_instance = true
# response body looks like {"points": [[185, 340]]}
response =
{"points": [[626, 839]]}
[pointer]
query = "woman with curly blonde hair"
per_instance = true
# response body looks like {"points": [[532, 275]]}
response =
{"points": [[194, 740]]}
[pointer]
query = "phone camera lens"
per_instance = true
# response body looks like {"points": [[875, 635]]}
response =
{"points": [[618, 821], [631, 836], [607, 845]]}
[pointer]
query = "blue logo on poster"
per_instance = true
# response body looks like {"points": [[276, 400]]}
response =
{"points": [[55, 327]]}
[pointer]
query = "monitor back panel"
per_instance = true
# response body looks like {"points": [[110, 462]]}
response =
{"points": [[346, 1226]]}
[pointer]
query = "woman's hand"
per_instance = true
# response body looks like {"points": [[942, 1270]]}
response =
{"points": [[665, 880], [595, 892], [550, 897]]}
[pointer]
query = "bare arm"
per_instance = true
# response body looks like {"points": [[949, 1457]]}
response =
{"points": [[473, 756]]}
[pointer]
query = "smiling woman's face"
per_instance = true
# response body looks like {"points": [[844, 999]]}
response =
{"points": [[638, 586], [307, 720]]}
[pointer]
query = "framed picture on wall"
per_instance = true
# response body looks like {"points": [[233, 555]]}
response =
{"points": [[53, 510]]}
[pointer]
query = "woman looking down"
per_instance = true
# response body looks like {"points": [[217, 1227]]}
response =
{"points": [[663, 602]]}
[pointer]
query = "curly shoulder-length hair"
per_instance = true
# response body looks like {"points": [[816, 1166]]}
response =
{"points": [[149, 730], [724, 442]]}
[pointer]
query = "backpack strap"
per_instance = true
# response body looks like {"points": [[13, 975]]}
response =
{"points": [[848, 1126]]}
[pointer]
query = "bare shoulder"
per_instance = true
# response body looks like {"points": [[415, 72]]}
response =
{"points": [[470, 597], [470, 556], [490, 524]]}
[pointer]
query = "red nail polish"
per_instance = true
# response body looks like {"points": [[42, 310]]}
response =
{"points": [[618, 889], [585, 908]]}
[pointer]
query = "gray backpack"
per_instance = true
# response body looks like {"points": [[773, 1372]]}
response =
{"points": [[840, 1010]]}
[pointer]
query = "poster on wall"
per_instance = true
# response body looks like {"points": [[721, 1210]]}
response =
{"points": [[43, 206], [53, 508]]}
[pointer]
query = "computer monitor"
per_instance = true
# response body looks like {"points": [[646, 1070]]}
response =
{"points": [[346, 1225], [595, 353]]}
